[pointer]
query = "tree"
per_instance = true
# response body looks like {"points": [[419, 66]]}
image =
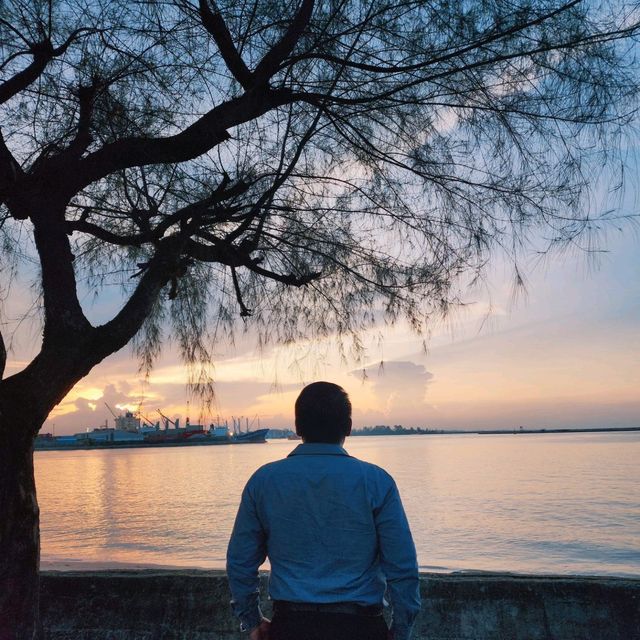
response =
{"points": [[309, 166]]}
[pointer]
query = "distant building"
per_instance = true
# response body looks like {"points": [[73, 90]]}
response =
{"points": [[128, 422]]}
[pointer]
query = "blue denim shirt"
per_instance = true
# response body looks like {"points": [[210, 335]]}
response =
{"points": [[334, 529]]}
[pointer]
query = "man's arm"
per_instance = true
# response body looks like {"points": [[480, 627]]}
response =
{"points": [[246, 552], [398, 561]]}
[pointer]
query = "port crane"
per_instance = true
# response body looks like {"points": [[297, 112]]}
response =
{"points": [[143, 417], [167, 421], [111, 411]]}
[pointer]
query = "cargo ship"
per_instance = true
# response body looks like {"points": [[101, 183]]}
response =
{"points": [[129, 432]]}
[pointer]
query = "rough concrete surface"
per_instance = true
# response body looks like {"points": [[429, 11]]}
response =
{"points": [[194, 605]]}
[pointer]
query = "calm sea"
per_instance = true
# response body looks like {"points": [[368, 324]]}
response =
{"points": [[552, 503]]}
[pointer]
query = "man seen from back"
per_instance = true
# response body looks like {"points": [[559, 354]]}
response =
{"points": [[335, 532]]}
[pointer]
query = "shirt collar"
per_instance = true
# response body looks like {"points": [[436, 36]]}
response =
{"points": [[318, 449]]}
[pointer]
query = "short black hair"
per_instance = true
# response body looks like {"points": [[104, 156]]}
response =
{"points": [[323, 413]]}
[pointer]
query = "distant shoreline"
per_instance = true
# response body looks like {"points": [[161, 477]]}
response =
{"points": [[585, 430], [445, 432]]}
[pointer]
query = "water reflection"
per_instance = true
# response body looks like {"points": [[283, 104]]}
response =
{"points": [[529, 503]]}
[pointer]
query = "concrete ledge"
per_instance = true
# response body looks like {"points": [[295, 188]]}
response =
{"points": [[194, 605]]}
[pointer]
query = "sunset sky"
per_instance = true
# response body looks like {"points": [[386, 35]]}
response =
{"points": [[563, 353]]}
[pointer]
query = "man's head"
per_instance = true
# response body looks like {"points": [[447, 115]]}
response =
{"points": [[323, 413]]}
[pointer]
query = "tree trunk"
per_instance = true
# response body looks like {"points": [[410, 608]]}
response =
{"points": [[19, 532], [26, 399], [71, 348]]}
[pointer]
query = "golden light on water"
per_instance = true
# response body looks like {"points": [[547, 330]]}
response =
{"points": [[551, 503]]}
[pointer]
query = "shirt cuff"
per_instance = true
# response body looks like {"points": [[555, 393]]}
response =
{"points": [[250, 620]]}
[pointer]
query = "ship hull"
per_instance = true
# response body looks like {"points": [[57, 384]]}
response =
{"points": [[253, 437]]}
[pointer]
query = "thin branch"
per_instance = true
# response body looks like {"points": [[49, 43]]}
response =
{"points": [[318, 99], [244, 310], [494, 35], [281, 177], [154, 234]]}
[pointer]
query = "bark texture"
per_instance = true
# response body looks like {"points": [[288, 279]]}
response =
{"points": [[19, 523]]}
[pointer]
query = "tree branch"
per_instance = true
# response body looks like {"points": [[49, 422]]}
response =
{"points": [[205, 133], [95, 230], [274, 57], [10, 169], [199, 208], [234, 257], [43, 52], [3, 356], [322, 99], [245, 312], [42, 55], [288, 278], [261, 207], [63, 315], [86, 98], [116, 333], [214, 23]]}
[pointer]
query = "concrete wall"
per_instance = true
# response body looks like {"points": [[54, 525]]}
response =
{"points": [[146, 605]]}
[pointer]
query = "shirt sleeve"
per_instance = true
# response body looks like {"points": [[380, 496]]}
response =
{"points": [[245, 554], [398, 561]]}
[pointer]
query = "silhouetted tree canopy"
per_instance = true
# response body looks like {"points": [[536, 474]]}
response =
{"points": [[307, 164]]}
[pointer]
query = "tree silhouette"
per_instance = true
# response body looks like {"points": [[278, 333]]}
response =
{"points": [[310, 166]]}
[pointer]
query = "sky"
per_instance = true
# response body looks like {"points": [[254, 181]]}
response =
{"points": [[563, 352]]}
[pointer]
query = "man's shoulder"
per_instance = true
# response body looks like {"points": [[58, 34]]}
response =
{"points": [[372, 470], [267, 469], [263, 473]]}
